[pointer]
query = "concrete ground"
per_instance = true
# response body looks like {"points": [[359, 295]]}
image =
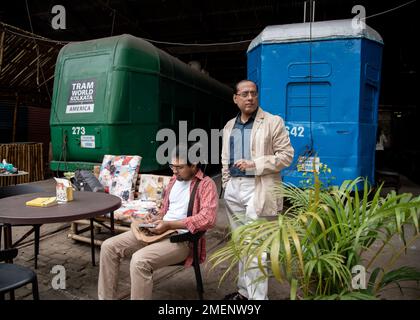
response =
{"points": [[171, 283]]}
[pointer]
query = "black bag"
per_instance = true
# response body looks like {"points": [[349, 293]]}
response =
{"points": [[85, 180]]}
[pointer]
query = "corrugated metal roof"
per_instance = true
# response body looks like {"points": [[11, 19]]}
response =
{"points": [[26, 65]]}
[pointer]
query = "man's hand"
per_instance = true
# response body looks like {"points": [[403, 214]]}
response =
{"points": [[243, 164], [150, 218], [161, 227]]}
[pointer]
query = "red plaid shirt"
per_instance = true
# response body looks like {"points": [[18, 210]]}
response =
{"points": [[204, 210]]}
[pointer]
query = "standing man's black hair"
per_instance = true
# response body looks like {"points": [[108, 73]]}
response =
{"points": [[244, 80]]}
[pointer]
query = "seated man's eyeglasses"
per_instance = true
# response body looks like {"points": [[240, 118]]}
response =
{"points": [[174, 167], [245, 94]]}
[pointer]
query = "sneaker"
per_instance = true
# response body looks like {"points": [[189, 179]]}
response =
{"points": [[235, 296]]}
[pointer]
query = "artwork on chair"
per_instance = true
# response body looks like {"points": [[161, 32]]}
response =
{"points": [[152, 186], [118, 175], [136, 209], [150, 194]]}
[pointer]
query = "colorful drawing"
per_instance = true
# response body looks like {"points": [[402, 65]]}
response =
{"points": [[152, 186], [118, 175]]}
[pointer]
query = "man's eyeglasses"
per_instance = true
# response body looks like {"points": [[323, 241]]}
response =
{"points": [[244, 94], [173, 167]]}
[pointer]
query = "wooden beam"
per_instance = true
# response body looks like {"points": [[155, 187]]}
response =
{"points": [[1, 48], [15, 118]]}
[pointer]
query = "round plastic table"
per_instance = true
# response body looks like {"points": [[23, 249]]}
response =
{"points": [[86, 205]]}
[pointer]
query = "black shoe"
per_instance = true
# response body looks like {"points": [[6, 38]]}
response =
{"points": [[235, 296]]}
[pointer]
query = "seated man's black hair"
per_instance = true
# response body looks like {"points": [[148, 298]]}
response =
{"points": [[181, 152]]}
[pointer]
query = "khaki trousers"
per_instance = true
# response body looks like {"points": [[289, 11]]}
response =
{"points": [[144, 260]]}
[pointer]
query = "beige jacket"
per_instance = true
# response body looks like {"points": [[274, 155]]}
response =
{"points": [[271, 151]]}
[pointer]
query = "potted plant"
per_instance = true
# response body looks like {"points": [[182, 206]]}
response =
{"points": [[321, 239]]}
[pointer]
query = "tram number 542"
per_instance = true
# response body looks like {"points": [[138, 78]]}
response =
{"points": [[296, 131]]}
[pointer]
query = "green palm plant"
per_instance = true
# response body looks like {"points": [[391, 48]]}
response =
{"points": [[324, 233]]}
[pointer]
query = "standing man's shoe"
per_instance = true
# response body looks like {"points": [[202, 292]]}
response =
{"points": [[235, 296]]}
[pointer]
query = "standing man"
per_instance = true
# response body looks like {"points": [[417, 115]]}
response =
{"points": [[256, 147], [173, 216]]}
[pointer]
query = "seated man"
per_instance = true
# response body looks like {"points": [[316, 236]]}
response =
{"points": [[147, 258]]}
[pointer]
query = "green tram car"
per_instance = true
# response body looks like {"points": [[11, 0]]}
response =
{"points": [[112, 96]]}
